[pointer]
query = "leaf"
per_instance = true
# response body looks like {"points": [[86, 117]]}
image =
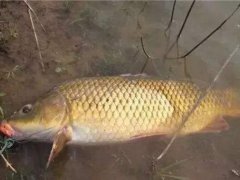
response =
{"points": [[9, 142]]}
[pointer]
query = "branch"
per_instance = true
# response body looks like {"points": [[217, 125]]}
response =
{"points": [[146, 54], [183, 25], [208, 36], [172, 14], [144, 50]]}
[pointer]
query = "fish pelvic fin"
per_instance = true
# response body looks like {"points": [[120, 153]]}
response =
{"points": [[218, 125], [61, 138]]}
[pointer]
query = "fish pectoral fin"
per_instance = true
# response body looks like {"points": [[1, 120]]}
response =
{"points": [[61, 138], [218, 125]]}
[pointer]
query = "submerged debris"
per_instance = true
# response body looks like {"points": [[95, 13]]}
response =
{"points": [[60, 69], [166, 172], [236, 172]]}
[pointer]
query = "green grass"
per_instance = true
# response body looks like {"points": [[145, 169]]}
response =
{"points": [[5, 142]]}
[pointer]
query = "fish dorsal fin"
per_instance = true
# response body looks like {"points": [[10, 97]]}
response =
{"points": [[218, 125]]}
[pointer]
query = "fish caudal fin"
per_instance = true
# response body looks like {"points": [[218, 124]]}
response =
{"points": [[218, 125], [61, 138]]}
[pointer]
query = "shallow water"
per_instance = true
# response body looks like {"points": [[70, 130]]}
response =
{"points": [[103, 38]]}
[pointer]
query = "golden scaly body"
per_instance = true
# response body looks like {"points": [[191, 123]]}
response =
{"points": [[113, 109], [104, 109]]}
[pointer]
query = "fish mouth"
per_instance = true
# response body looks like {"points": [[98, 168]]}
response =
{"points": [[9, 130]]}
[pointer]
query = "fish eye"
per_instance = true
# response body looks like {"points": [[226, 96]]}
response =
{"points": [[26, 109]]}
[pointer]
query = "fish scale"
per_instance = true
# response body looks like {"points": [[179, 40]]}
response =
{"points": [[119, 108]]}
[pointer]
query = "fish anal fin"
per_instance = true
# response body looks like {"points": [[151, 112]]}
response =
{"points": [[143, 135], [61, 138], [218, 125]]}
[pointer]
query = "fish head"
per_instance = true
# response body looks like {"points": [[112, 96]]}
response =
{"points": [[36, 121]]}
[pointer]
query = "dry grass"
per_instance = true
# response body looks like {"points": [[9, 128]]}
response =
{"points": [[30, 12]]}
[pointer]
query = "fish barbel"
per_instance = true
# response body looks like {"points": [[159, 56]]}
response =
{"points": [[113, 109]]}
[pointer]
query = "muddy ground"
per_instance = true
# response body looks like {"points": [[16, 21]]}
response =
{"points": [[103, 38]]}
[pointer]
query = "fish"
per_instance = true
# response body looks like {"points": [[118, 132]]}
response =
{"points": [[110, 109]]}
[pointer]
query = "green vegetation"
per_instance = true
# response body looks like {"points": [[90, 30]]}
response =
{"points": [[11, 74], [8, 33], [5, 142]]}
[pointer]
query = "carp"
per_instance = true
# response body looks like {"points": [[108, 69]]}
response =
{"points": [[115, 109]]}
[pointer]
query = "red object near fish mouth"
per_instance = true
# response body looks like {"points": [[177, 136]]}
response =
{"points": [[6, 129]]}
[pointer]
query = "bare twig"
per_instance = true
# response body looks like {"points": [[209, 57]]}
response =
{"points": [[172, 14], [8, 164], [207, 37], [144, 66], [36, 38], [186, 72], [182, 27], [30, 7], [199, 100], [235, 172], [147, 55], [167, 31], [185, 20], [139, 26], [144, 50], [149, 58], [143, 8]]}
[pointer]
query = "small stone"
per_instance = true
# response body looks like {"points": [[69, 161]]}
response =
{"points": [[59, 70]]}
